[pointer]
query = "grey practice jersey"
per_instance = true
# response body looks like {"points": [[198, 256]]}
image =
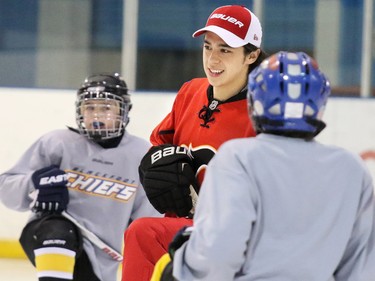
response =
{"points": [[104, 188], [281, 209]]}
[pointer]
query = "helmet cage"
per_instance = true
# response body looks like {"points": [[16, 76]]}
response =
{"points": [[287, 95], [98, 97]]}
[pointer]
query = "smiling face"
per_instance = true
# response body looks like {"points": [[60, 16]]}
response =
{"points": [[226, 68]]}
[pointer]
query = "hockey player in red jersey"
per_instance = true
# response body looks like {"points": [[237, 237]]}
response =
{"points": [[281, 205], [206, 113]]}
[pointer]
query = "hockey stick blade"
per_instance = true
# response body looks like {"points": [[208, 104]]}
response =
{"points": [[93, 238]]}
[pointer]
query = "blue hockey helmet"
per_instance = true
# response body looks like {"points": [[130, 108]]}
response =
{"points": [[287, 95]]}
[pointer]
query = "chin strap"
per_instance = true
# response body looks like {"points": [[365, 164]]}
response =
{"points": [[318, 124], [110, 143]]}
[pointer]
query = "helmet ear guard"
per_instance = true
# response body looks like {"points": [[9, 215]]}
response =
{"points": [[103, 91], [287, 95]]}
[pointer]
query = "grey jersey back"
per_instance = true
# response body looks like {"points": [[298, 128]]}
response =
{"points": [[104, 188], [280, 209]]}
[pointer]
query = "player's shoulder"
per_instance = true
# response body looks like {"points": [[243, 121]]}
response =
{"points": [[348, 161], [197, 81], [135, 144], [342, 153], [129, 137], [192, 91], [62, 134], [194, 85], [237, 145]]}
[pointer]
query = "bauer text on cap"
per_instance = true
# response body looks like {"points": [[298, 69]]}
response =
{"points": [[236, 25]]}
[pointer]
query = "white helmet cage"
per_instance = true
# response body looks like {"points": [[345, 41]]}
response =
{"points": [[101, 92]]}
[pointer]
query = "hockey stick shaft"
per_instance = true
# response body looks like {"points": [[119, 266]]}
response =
{"points": [[194, 199], [93, 238]]}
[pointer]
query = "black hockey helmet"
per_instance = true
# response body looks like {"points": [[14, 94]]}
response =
{"points": [[106, 97]]}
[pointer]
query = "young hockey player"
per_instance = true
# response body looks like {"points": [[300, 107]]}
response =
{"points": [[281, 206], [92, 173], [206, 113]]}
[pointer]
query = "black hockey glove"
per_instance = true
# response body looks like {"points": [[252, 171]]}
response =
{"points": [[168, 179], [51, 193], [180, 238]]}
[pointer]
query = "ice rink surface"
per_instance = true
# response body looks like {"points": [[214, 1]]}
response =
{"points": [[17, 270], [21, 270]]}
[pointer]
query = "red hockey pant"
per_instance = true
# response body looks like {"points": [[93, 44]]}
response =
{"points": [[146, 240]]}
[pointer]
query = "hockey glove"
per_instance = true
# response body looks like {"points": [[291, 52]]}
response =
{"points": [[168, 179], [51, 193], [180, 238]]}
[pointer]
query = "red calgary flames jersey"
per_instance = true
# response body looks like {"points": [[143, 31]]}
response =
{"points": [[201, 123]]}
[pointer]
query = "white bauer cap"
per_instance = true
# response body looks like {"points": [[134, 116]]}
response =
{"points": [[235, 24]]}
